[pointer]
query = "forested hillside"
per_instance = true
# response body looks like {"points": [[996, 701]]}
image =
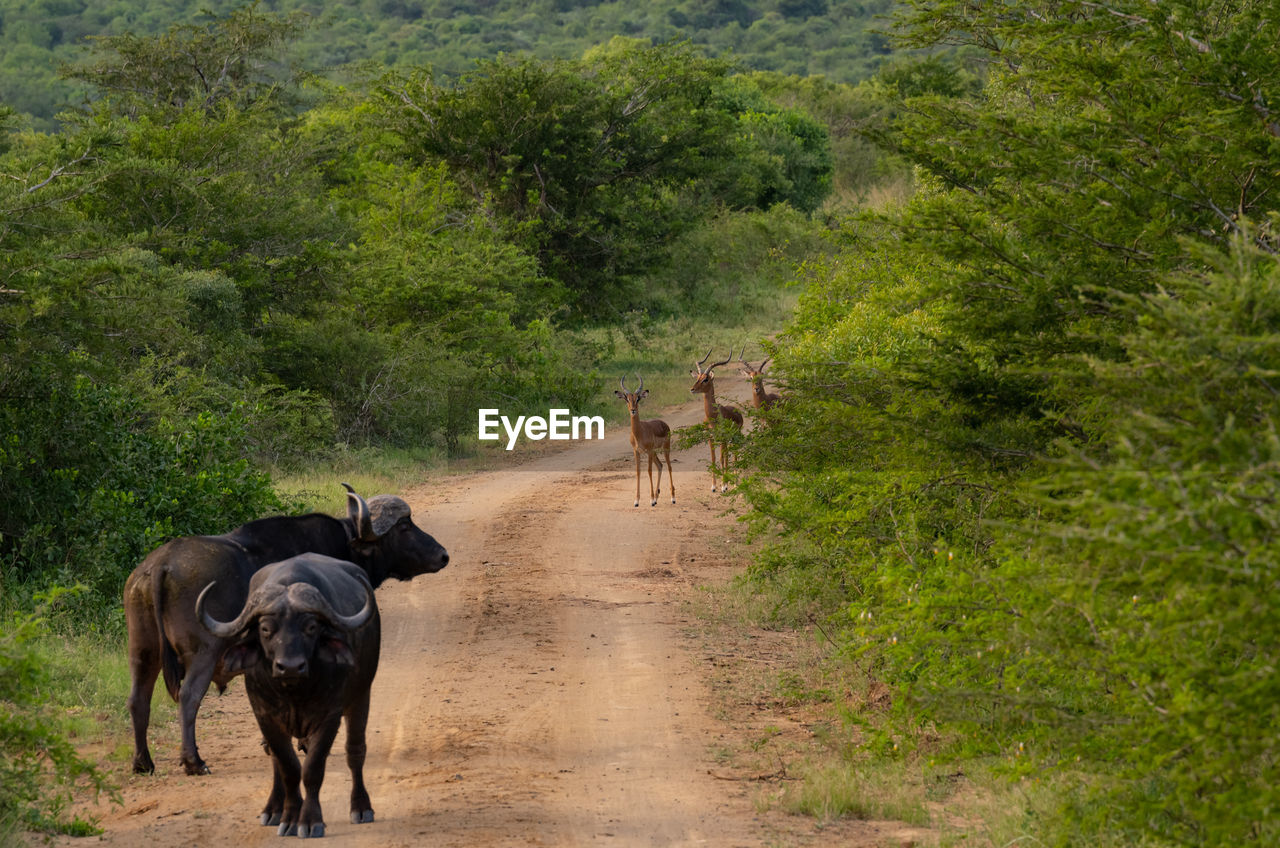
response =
{"points": [[833, 38]]}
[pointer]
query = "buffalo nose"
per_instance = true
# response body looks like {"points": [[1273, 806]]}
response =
{"points": [[444, 559], [290, 668]]}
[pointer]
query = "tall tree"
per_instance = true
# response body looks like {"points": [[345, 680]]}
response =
{"points": [[596, 164]]}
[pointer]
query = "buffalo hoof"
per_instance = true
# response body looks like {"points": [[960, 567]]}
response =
{"points": [[271, 819], [196, 767], [314, 832], [142, 764], [361, 816], [287, 829]]}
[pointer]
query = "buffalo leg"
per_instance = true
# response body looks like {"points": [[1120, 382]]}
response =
{"points": [[192, 693], [144, 667], [357, 722], [285, 802], [319, 744], [275, 801]]}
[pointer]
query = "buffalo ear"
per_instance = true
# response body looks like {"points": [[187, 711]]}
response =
{"points": [[242, 656], [333, 648]]}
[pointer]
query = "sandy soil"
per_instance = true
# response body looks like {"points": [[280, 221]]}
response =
{"points": [[544, 689]]}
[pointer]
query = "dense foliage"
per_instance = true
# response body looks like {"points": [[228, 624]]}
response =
{"points": [[834, 38], [598, 164], [1028, 461], [39, 767]]}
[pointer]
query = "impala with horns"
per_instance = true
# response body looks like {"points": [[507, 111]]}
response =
{"points": [[307, 640], [649, 436], [704, 383], [159, 597], [761, 398]]}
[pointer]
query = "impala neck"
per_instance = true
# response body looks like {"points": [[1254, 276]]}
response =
{"points": [[757, 389], [709, 402]]}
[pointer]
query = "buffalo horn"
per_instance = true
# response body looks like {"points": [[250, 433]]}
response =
{"points": [[223, 629], [307, 598], [358, 512]]}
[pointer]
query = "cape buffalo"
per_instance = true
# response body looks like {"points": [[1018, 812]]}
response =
{"points": [[160, 596], [309, 657]]}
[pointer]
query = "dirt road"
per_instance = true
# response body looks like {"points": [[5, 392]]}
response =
{"points": [[541, 690]]}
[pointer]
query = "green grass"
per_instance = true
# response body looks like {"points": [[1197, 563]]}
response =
{"points": [[851, 790], [88, 684], [318, 486]]}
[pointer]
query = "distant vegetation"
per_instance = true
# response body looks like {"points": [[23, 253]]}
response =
{"points": [[832, 38]]}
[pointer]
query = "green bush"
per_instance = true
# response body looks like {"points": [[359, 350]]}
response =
{"points": [[87, 487], [39, 767]]}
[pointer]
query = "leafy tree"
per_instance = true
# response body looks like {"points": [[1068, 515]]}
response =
{"points": [[1025, 462], [1070, 185], [227, 60], [597, 164]]}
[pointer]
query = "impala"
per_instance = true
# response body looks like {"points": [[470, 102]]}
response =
{"points": [[761, 398], [650, 437], [704, 383]]}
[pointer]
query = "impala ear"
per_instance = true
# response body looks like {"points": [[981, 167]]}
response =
{"points": [[617, 393], [645, 393]]}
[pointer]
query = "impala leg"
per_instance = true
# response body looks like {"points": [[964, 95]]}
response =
{"points": [[653, 498], [637, 456], [671, 471], [713, 465], [724, 465], [658, 462]]}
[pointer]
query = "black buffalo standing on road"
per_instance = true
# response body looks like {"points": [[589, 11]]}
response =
{"points": [[160, 596], [307, 665]]}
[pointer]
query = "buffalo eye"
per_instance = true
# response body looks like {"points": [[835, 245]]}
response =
{"points": [[311, 628], [266, 626]]}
